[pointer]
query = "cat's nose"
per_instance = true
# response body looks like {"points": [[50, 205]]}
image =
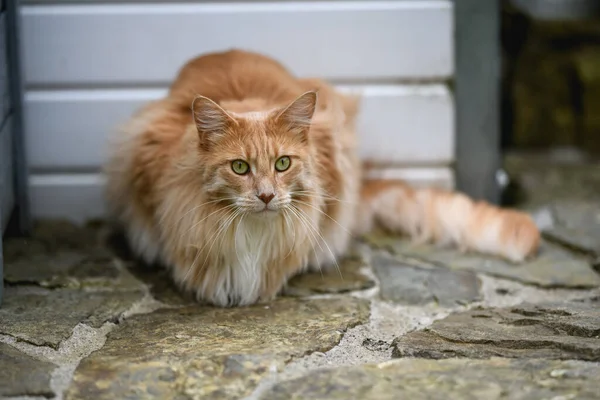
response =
{"points": [[266, 198]]}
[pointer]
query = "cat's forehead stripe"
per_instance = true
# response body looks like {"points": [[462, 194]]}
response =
{"points": [[260, 151]]}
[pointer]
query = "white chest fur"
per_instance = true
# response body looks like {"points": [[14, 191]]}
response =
{"points": [[245, 250]]}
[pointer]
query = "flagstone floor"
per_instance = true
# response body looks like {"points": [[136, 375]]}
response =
{"points": [[80, 320]]}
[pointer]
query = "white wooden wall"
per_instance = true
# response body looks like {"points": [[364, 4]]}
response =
{"points": [[89, 64]]}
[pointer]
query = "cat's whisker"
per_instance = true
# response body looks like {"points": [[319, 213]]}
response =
{"points": [[235, 240], [287, 223], [306, 223], [196, 208], [311, 229], [216, 226], [200, 251], [308, 228], [325, 214], [316, 195], [311, 192], [222, 242], [227, 207], [328, 248], [223, 228]]}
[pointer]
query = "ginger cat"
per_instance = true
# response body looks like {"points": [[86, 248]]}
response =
{"points": [[244, 175]]}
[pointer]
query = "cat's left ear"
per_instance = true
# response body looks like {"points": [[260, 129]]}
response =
{"points": [[298, 115]]}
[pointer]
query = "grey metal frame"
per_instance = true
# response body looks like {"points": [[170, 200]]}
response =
{"points": [[477, 94], [21, 210], [16, 88]]}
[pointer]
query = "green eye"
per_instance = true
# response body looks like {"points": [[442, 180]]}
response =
{"points": [[282, 163], [240, 167]]}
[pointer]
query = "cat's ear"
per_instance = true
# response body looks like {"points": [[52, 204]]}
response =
{"points": [[298, 115], [212, 121]]}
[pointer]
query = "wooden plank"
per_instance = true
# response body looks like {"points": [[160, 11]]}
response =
{"points": [[418, 177], [141, 44], [397, 124], [407, 125], [76, 197], [79, 197]]}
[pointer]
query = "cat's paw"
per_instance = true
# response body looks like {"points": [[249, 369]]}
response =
{"points": [[266, 299]]}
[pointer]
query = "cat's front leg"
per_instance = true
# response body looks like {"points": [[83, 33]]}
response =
{"points": [[274, 279], [273, 282]]}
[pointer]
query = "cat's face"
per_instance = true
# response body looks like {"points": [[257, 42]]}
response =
{"points": [[257, 162]]}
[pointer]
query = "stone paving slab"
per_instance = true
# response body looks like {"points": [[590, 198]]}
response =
{"points": [[22, 375], [576, 224], [95, 269], [542, 181], [46, 318], [347, 278], [554, 331], [204, 352], [160, 284], [553, 267], [59, 278], [66, 275], [60, 269], [407, 284], [497, 378], [62, 255], [50, 236]]}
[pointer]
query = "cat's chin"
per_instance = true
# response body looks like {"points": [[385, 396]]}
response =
{"points": [[265, 213]]}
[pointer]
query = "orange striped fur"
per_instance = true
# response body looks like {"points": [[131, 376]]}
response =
{"points": [[235, 238], [450, 218]]}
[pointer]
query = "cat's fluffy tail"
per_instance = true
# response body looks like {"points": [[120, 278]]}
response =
{"points": [[447, 218]]}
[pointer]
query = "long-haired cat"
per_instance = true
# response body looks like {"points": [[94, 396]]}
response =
{"points": [[244, 175]]}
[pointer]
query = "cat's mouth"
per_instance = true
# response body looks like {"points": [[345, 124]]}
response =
{"points": [[266, 211], [271, 209]]}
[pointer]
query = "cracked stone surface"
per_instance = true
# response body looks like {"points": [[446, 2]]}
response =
{"points": [[407, 284], [89, 286], [68, 269], [553, 267], [497, 378], [209, 353], [160, 284], [53, 236], [348, 278], [541, 179], [569, 330], [82, 319], [59, 255], [576, 224], [46, 318], [23, 375]]}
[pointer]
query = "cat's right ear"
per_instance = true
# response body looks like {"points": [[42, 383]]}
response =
{"points": [[212, 121]]}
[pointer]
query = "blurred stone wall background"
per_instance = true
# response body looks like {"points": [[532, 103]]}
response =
{"points": [[551, 81]]}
